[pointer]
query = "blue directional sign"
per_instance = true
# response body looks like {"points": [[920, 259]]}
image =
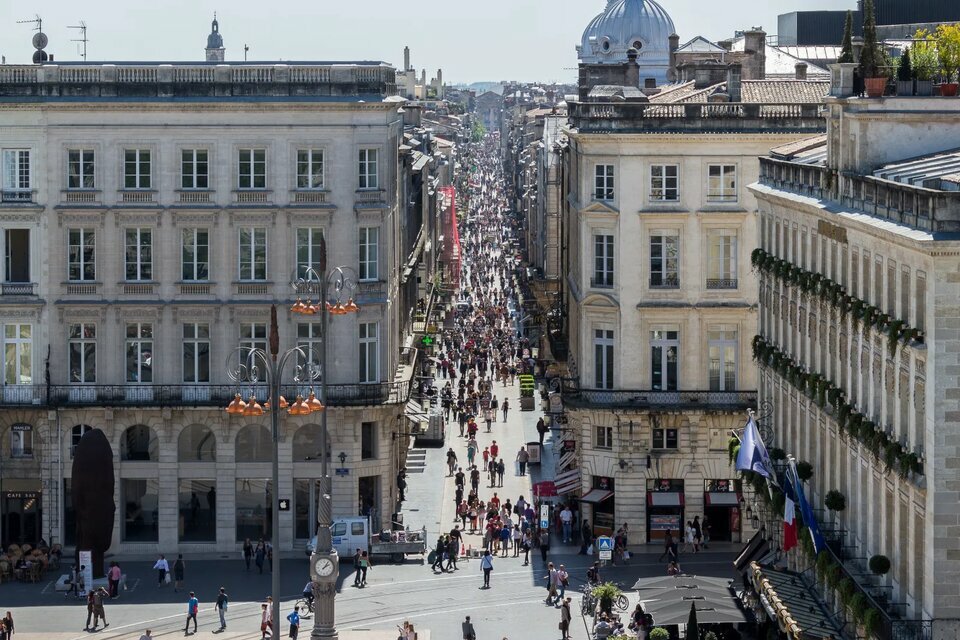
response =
{"points": [[604, 543]]}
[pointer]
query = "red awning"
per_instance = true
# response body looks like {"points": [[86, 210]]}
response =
{"points": [[665, 498], [568, 481], [545, 489], [722, 499]]}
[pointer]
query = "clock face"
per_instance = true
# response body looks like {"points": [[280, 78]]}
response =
{"points": [[323, 567]]}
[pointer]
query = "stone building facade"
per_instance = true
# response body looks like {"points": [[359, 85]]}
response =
{"points": [[858, 333], [152, 214]]}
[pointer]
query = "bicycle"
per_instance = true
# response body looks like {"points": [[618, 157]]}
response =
{"points": [[588, 604], [305, 607]]}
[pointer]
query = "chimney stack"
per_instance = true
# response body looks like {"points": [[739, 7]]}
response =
{"points": [[406, 58], [801, 68], [734, 74], [674, 45], [631, 77], [755, 46]]}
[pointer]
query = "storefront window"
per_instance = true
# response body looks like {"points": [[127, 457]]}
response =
{"points": [[139, 443], [307, 444], [304, 505], [253, 509], [665, 503], [197, 444], [198, 511], [140, 499], [254, 444]]}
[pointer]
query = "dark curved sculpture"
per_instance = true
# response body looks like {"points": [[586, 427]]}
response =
{"points": [[92, 488]]}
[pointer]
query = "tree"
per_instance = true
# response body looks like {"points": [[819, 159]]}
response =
{"points": [[846, 47], [923, 55], [948, 49], [870, 56], [905, 69]]}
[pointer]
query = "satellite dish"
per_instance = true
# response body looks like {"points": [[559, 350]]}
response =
{"points": [[40, 56], [39, 40]]}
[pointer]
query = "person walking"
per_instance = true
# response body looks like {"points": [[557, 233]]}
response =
{"points": [[8, 625], [89, 610], [260, 555], [193, 606], [501, 469], [565, 618], [542, 429], [247, 552], [467, 627], [98, 612], [223, 601], [439, 550], [147, 635], [566, 520], [551, 579], [667, 546], [451, 460], [364, 565], [178, 567], [486, 565], [266, 620], [453, 549], [523, 457], [544, 544], [506, 408], [294, 619], [113, 580], [563, 581], [356, 567], [162, 568]]}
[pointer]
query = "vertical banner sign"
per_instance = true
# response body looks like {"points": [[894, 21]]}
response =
{"points": [[544, 516], [86, 570]]}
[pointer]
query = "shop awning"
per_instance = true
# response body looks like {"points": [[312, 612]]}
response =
{"points": [[415, 412], [596, 496], [544, 489], [755, 549], [791, 600], [665, 498], [722, 498], [567, 481], [567, 460], [668, 599]]}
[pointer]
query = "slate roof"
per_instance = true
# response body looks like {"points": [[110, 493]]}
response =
{"points": [[796, 148], [675, 92], [784, 91]]}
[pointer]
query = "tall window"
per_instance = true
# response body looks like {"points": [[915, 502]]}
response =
{"points": [[83, 353], [664, 360], [253, 253], [369, 253], [139, 254], [602, 261], [196, 352], [722, 183], [194, 169], [722, 260], [15, 178], [602, 437], [603, 182], [369, 352], [17, 354], [665, 438], [195, 255], [16, 255], [136, 169], [80, 169], [252, 169], [310, 339], [665, 260], [310, 169], [308, 250], [368, 440], [369, 178], [253, 335], [81, 249], [603, 359], [139, 352], [723, 346], [664, 183]]}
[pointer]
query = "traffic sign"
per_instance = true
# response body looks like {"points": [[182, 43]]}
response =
{"points": [[544, 516], [606, 555], [605, 543]]}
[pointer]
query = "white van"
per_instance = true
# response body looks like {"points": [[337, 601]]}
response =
{"points": [[350, 534]]}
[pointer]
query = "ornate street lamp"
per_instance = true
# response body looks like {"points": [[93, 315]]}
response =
{"points": [[252, 365], [324, 563]]}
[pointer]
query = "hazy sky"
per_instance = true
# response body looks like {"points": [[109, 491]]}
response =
{"points": [[471, 41]]}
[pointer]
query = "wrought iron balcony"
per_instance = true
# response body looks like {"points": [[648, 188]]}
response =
{"points": [[722, 283], [18, 289], [190, 395], [575, 395], [16, 196]]}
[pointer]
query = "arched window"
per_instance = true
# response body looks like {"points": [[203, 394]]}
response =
{"points": [[75, 434], [254, 444], [139, 443], [306, 444], [197, 444]]}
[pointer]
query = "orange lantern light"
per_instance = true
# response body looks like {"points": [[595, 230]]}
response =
{"points": [[297, 306], [313, 402], [297, 408], [351, 306], [236, 406], [253, 407]]}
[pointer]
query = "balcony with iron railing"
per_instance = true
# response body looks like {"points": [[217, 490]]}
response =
{"points": [[919, 207], [575, 395], [18, 289], [734, 117], [17, 196], [190, 395]]}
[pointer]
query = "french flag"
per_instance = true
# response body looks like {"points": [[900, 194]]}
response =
{"points": [[789, 524]]}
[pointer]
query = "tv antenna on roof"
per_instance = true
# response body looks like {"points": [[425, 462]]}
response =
{"points": [[39, 39], [82, 39], [37, 20], [245, 50]]}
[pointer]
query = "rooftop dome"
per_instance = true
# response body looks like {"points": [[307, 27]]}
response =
{"points": [[214, 41], [630, 24]]}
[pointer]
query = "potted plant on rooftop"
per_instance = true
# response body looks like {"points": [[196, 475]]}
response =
{"points": [[871, 57], [925, 62], [905, 74], [948, 51]]}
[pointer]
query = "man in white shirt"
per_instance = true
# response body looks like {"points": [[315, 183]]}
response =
{"points": [[566, 519]]}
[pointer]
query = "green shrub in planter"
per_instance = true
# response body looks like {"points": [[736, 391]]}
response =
{"points": [[710, 636], [846, 589], [659, 633], [804, 471], [871, 621], [835, 501], [605, 594], [777, 454], [858, 604], [879, 565]]}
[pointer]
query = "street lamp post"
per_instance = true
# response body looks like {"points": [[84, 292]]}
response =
{"points": [[250, 365], [324, 562]]}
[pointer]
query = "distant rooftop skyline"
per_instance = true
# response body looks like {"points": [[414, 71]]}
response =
{"points": [[525, 40]]}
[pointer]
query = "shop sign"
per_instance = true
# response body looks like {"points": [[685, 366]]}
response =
{"points": [[665, 523], [544, 516], [603, 483]]}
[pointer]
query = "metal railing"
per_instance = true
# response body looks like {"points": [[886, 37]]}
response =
{"points": [[576, 395], [18, 288], [722, 283], [189, 395]]}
